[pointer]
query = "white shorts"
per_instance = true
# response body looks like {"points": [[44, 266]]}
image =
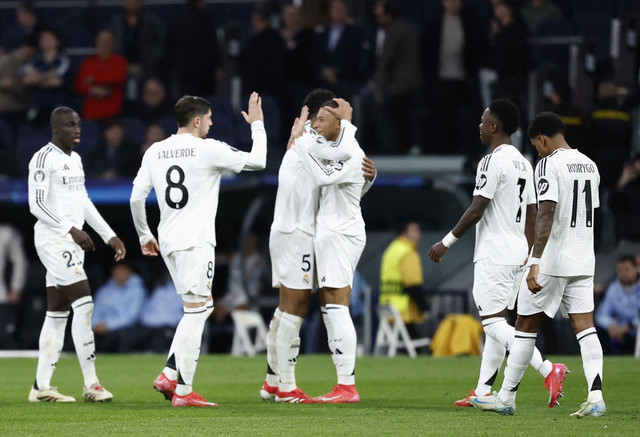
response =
{"points": [[575, 293], [292, 260], [64, 261], [337, 257], [495, 286], [192, 272]]}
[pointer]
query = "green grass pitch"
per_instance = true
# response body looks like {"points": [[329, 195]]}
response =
{"points": [[400, 397]]}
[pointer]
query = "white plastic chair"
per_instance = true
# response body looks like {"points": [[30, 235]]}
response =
{"points": [[393, 334], [242, 344]]}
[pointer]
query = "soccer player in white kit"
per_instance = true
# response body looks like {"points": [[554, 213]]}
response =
{"points": [[58, 198], [185, 171], [504, 207], [562, 264], [338, 242], [291, 248]]}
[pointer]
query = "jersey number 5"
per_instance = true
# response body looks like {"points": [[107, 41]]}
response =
{"points": [[587, 200], [176, 204]]}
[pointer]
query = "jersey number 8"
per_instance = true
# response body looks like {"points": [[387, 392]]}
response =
{"points": [[176, 204]]}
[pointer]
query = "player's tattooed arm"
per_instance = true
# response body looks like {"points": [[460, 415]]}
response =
{"points": [[544, 221]]}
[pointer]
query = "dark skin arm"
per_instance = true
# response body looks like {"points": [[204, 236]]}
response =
{"points": [[471, 216], [544, 221]]}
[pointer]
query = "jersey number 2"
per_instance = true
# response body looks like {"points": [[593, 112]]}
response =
{"points": [[587, 201], [176, 204]]}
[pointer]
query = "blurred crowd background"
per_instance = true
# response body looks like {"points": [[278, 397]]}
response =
{"points": [[417, 72]]}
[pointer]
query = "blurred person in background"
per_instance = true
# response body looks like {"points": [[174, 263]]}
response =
{"points": [[101, 80], [617, 315], [12, 282]]}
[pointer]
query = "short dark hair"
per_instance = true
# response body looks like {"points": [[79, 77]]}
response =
{"points": [[625, 257], [330, 103], [546, 123], [57, 112], [189, 107], [507, 113], [315, 100]]}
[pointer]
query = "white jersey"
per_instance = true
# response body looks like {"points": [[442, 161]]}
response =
{"points": [[341, 187], [185, 172], [506, 178], [297, 196], [58, 197], [570, 179]]}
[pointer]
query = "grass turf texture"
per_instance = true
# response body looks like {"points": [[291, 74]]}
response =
{"points": [[400, 397]]}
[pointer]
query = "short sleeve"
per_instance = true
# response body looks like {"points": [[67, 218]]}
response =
{"points": [[547, 180], [487, 177], [143, 178]]}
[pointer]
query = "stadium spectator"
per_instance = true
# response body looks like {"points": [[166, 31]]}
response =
{"points": [[396, 80], [11, 255], [160, 315], [139, 37], [625, 203], [153, 103], [298, 68], [28, 24], [101, 80], [617, 315], [15, 97], [193, 54], [401, 277], [576, 120], [46, 73], [246, 279], [452, 44], [509, 53], [339, 53], [117, 310], [535, 12], [610, 132], [114, 156], [263, 66], [153, 134]]}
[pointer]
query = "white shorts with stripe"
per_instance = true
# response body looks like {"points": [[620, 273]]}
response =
{"points": [[337, 257], [64, 261], [572, 294], [192, 271], [495, 286], [292, 260]]}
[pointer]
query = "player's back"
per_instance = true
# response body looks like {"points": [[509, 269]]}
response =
{"points": [[506, 178], [185, 172], [296, 198], [571, 179]]}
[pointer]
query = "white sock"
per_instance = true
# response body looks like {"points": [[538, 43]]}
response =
{"points": [[492, 357], [83, 339], [519, 358], [288, 348], [342, 342], [272, 354], [591, 351], [50, 346], [187, 341], [498, 329], [330, 331]]}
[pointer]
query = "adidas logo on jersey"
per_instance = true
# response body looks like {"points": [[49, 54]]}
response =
{"points": [[65, 167]]}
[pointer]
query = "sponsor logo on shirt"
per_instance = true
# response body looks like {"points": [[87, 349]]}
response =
{"points": [[543, 186]]}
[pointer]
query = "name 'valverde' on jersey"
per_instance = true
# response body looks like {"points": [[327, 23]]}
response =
{"points": [[570, 179], [186, 172], [506, 178]]}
